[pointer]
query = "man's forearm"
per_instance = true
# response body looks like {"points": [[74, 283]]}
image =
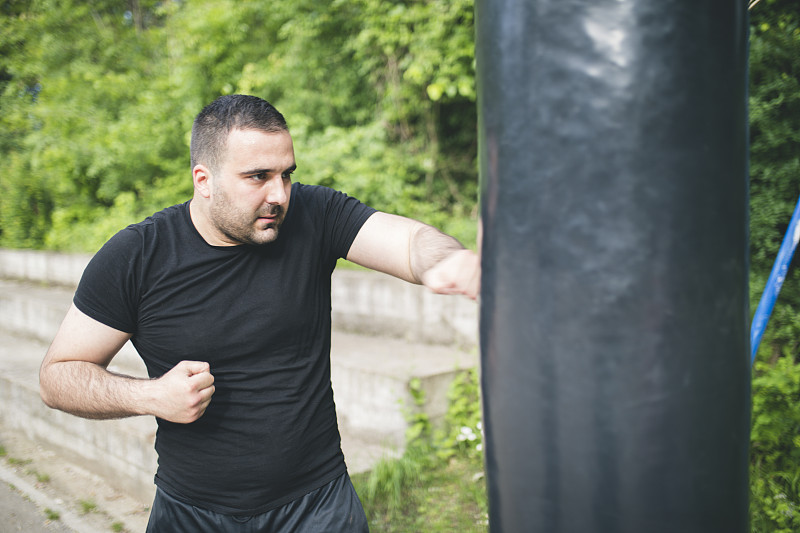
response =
{"points": [[86, 389], [90, 391], [427, 247], [418, 253], [442, 264]]}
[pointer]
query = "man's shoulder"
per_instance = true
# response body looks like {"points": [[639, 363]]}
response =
{"points": [[311, 200], [134, 237], [318, 195], [167, 215], [305, 190], [159, 221]]}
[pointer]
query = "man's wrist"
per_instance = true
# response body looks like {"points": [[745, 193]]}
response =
{"points": [[428, 248], [143, 396]]}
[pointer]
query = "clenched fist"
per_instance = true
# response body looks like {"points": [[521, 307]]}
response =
{"points": [[184, 392], [458, 273]]}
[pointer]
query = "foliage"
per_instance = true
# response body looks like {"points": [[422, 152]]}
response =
{"points": [[463, 431], [87, 506], [419, 424], [775, 448], [97, 101], [438, 483], [774, 160], [774, 190]]}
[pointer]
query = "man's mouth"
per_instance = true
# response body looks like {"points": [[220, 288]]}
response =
{"points": [[270, 216], [267, 222]]}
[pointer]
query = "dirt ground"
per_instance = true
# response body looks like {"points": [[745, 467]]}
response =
{"points": [[20, 513], [83, 501]]}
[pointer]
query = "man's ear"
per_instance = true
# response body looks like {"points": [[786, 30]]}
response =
{"points": [[202, 177]]}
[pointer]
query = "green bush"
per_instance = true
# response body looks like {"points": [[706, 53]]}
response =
{"points": [[775, 448], [98, 98], [774, 190], [774, 161], [438, 484]]}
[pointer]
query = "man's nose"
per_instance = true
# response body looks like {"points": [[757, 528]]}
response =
{"points": [[276, 192]]}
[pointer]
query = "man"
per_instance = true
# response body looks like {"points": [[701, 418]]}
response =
{"points": [[227, 299]]}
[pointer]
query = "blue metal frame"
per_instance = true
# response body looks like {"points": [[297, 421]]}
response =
{"points": [[774, 283]]}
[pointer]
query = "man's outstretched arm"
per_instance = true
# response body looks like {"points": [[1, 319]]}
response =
{"points": [[74, 377], [418, 253]]}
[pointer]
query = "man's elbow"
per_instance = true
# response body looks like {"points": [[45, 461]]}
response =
{"points": [[46, 386], [44, 391], [47, 399]]}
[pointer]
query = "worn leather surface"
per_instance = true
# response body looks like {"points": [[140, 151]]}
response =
{"points": [[614, 314]]}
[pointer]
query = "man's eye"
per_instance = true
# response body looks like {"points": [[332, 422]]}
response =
{"points": [[287, 175], [261, 176]]}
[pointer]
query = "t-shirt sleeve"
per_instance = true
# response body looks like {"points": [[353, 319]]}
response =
{"points": [[108, 290], [344, 217]]}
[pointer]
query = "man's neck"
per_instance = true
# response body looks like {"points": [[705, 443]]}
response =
{"points": [[202, 223]]}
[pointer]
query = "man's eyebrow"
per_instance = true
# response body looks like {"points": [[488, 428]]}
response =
{"points": [[255, 171]]}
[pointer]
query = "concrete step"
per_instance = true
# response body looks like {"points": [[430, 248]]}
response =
{"points": [[119, 450], [370, 377], [362, 301]]}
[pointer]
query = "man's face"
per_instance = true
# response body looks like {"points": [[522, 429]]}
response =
{"points": [[250, 191]]}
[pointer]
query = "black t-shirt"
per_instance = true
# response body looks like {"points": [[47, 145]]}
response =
{"points": [[260, 315]]}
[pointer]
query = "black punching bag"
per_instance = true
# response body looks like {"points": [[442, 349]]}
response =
{"points": [[614, 311]]}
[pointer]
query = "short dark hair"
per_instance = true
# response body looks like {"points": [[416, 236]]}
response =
{"points": [[234, 111]]}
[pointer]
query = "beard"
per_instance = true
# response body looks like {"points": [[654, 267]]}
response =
{"points": [[244, 227]]}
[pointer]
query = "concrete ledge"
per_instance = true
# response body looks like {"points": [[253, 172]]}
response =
{"points": [[370, 377], [386, 334], [372, 303], [371, 380], [43, 267], [33, 310], [363, 302], [120, 451]]}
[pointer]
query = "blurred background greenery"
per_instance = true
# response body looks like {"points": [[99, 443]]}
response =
{"points": [[97, 100], [774, 191]]}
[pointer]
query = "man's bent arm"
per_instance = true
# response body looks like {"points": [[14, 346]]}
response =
{"points": [[73, 377], [418, 253]]}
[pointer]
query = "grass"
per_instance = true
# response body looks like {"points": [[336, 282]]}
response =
{"points": [[87, 506], [438, 485], [14, 461], [40, 477], [52, 515], [420, 492]]}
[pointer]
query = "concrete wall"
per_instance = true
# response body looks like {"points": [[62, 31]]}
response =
{"points": [[386, 334], [362, 301], [42, 267]]}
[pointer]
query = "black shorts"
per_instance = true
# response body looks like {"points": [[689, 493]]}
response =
{"points": [[334, 507]]}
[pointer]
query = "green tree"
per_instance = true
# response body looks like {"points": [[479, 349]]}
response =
{"points": [[380, 97], [775, 449], [84, 143], [775, 189], [774, 160], [98, 98]]}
